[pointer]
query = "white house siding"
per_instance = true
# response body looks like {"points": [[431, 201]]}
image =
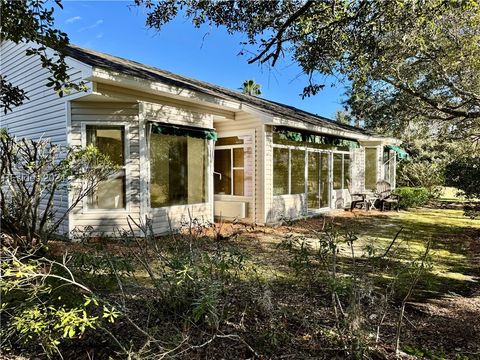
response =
{"points": [[268, 207], [173, 217], [289, 207], [108, 114], [242, 123], [43, 114]]}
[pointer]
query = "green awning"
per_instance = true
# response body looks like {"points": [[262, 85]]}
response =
{"points": [[401, 154], [199, 133], [312, 138]]}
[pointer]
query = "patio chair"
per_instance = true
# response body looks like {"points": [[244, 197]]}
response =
{"points": [[385, 196], [358, 201]]}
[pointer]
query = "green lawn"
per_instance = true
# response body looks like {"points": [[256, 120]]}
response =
{"points": [[453, 237]]}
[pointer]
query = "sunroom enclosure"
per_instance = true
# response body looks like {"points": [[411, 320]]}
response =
{"points": [[308, 170]]}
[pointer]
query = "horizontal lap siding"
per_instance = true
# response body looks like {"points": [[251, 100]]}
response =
{"points": [[177, 115], [248, 122], [289, 207], [43, 114], [179, 217], [102, 113]]}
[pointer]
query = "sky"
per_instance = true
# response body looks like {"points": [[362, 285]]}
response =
{"points": [[208, 54]]}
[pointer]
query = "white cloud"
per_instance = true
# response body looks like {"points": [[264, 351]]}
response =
{"points": [[90, 27], [99, 35], [73, 19]]}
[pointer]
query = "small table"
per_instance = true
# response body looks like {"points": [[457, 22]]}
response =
{"points": [[366, 199]]}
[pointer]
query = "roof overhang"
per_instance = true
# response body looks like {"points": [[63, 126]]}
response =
{"points": [[158, 88], [100, 75], [363, 139]]}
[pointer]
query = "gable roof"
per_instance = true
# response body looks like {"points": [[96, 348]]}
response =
{"points": [[136, 69]]}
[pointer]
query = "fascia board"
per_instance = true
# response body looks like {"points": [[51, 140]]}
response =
{"points": [[175, 92]]}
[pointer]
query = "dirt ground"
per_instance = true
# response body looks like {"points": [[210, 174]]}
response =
{"points": [[441, 322]]}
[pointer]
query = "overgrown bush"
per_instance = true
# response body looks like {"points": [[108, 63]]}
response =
{"points": [[359, 307], [32, 173], [43, 305], [464, 174], [411, 197]]}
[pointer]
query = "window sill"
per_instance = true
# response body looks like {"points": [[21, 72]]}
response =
{"points": [[185, 206], [103, 211]]}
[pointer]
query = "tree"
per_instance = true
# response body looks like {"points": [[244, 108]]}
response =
{"points": [[464, 174], [343, 117], [32, 22], [250, 87], [403, 59]]}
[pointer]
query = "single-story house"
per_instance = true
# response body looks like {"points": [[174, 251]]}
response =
{"points": [[190, 147]]}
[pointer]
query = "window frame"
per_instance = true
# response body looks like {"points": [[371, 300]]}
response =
{"points": [[306, 149], [377, 168], [344, 185], [232, 167], [290, 148], [208, 169], [126, 166]]}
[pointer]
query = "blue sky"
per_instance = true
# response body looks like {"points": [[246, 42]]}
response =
{"points": [[118, 28]]}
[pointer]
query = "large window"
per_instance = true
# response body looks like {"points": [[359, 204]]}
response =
{"points": [[233, 166], [297, 161], [110, 193], [341, 171], [371, 164], [389, 166], [288, 171], [178, 170]]}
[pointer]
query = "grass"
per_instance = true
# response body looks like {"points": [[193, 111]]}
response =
{"points": [[264, 298]]}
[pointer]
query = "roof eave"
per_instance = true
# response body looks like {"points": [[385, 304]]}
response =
{"points": [[158, 88]]}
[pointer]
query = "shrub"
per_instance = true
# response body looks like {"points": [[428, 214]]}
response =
{"points": [[43, 306], [32, 172], [412, 197], [422, 174]]}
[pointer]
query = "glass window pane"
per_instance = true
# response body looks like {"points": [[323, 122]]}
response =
{"points": [[337, 171], [109, 141], [313, 179], [197, 170], [346, 171], [298, 172], [324, 180], [371, 164], [238, 183], [238, 157], [222, 176], [178, 169], [280, 171], [109, 194]]}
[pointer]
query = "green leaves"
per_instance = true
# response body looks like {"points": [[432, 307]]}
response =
{"points": [[403, 61]]}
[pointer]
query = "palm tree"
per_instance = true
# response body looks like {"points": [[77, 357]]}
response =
{"points": [[250, 87]]}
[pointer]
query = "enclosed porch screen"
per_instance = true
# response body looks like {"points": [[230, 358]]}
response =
{"points": [[178, 165]]}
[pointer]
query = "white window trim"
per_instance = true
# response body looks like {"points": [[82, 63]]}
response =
{"points": [[161, 210], [344, 186], [231, 147], [126, 134]]}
